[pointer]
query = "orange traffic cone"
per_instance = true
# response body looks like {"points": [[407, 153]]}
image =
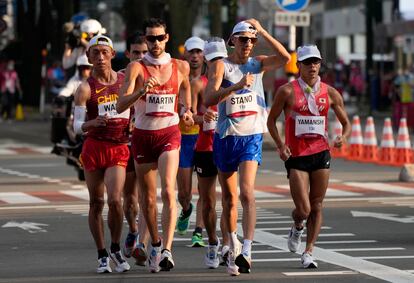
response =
{"points": [[370, 147], [341, 151], [356, 141], [386, 154], [403, 153]]}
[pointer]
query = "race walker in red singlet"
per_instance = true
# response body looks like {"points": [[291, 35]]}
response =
{"points": [[105, 147], [156, 120]]}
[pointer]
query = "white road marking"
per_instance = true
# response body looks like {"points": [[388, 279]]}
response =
{"points": [[388, 257], [360, 265], [330, 192], [384, 187], [345, 242], [286, 228], [319, 273], [366, 249], [20, 198]]}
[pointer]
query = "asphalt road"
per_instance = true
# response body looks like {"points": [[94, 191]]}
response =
{"points": [[367, 234]]}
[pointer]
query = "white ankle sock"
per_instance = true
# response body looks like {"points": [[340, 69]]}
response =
{"points": [[247, 247]]}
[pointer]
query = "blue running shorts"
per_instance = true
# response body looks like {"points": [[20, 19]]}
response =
{"points": [[187, 151], [230, 151]]}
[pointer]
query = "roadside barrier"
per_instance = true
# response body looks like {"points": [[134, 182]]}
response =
{"points": [[356, 141], [370, 147]]}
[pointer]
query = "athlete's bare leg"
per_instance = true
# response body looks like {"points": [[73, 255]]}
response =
{"points": [[318, 185], [207, 192], [224, 231], [247, 178], [228, 182], [299, 184], [131, 208], [96, 188], [147, 185], [114, 181], [131, 201], [184, 186], [168, 167]]}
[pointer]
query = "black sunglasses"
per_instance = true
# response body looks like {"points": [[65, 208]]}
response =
{"points": [[245, 39], [310, 61], [153, 38]]}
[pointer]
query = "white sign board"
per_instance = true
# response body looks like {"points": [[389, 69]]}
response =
{"points": [[299, 19]]}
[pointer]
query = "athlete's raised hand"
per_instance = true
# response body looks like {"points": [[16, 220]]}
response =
{"points": [[246, 81], [150, 83]]}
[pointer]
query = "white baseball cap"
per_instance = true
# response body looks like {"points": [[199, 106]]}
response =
{"points": [[91, 26], [194, 43], [100, 40], [83, 61], [308, 51], [242, 26], [215, 48]]}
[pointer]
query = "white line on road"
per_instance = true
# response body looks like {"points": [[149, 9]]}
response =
{"points": [[388, 257], [384, 187], [366, 249], [286, 228], [330, 192], [345, 242], [20, 198], [319, 273], [357, 264]]}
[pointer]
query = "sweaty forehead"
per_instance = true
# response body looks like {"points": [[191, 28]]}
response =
{"points": [[245, 33], [155, 30], [100, 48]]}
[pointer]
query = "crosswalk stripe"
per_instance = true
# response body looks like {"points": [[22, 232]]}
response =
{"points": [[20, 198], [384, 187], [320, 273], [330, 192]]}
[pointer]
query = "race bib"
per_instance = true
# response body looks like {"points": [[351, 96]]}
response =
{"points": [[209, 126], [160, 104], [309, 125], [239, 105], [109, 109]]}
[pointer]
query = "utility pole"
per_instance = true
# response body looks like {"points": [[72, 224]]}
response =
{"points": [[373, 15]]}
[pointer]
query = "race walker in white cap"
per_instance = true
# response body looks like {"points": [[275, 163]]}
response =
{"points": [[235, 84], [206, 118], [105, 151], [305, 103], [193, 54]]}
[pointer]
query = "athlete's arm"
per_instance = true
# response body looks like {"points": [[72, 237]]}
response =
{"points": [[185, 92], [197, 89], [127, 93], [82, 95], [280, 102], [281, 55], [337, 104], [215, 94]]}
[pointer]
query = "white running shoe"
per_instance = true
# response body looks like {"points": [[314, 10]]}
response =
{"points": [[294, 239], [211, 258], [244, 262], [121, 265], [167, 262], [104, 266], [232, 268], [224, 254], [307, 261], [154, 259]]}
